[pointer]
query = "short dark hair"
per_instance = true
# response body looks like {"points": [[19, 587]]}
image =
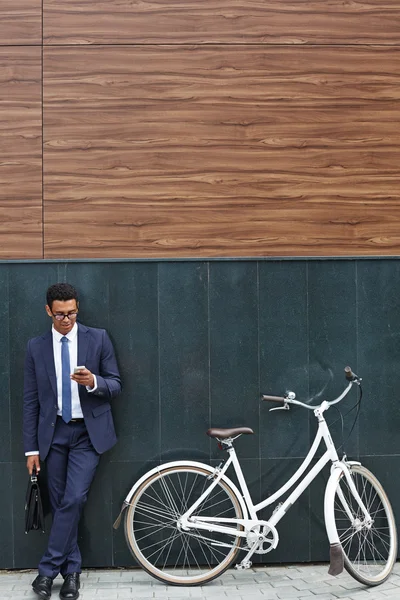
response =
{"points": [[61, 291]]}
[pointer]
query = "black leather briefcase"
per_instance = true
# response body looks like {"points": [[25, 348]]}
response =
{"points": [[34, 518]]}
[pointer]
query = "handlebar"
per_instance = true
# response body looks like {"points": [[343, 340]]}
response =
{"points": [[274, 398], [350, 376], [289, 398]]}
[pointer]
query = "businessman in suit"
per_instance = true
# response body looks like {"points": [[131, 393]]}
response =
{"points": [[67, 422]]}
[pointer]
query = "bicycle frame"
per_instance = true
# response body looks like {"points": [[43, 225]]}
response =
{"points": [[330, 455]]}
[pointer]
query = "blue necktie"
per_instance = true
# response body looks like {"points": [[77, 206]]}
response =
{"points": [[66, 381]]}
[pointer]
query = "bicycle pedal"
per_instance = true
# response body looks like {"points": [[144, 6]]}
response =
{"points": [[244, 565]]}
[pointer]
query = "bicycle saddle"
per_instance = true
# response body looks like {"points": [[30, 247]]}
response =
{"points": [[222, 434]]}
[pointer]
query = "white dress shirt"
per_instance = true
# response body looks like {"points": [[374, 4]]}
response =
{"points": [[72, 337]]}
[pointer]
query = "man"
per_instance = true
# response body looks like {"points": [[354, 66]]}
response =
{"points": [[68, 423]]}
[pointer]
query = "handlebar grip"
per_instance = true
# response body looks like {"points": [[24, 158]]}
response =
{"points": [[280, 399], [350, 376]]}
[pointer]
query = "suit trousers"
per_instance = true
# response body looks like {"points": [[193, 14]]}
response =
{"points": [[71, 465]]}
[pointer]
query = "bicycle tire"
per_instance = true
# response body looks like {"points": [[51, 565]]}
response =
{"points": [[369, 551], [174, 556]]}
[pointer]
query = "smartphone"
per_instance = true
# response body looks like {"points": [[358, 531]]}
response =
{"points": [[77, 370]]}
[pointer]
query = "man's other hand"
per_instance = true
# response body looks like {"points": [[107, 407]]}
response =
{"points": [[33, 461]]}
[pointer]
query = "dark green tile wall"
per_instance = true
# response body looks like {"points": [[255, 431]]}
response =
{"points": [[6, 516], [234, 379], [332, 334], [197, 342], [379, 355], [184, 357], [5, 429], [283, 348]]}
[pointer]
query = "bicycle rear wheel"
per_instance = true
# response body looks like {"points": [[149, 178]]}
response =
{"points": [[370, 550], [168, 553]]}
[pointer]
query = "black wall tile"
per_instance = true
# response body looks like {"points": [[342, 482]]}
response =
{"points": [[6, 517], [379, 355], [27, 291], [184, 357], [92, 282], [134, 331], [95, 528], [5, 432], [332, 313], [234, 374], [283, 355]]}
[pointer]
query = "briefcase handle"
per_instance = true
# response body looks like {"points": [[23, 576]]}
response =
{"points": [[34, 475]]}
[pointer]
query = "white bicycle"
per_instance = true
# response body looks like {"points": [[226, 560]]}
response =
{"points": [[186, 521]]}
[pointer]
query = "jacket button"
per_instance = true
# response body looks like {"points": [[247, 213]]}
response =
{"points": [[52, 424]]}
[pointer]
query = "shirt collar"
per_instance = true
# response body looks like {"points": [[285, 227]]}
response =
{"points": [[71, 335]]}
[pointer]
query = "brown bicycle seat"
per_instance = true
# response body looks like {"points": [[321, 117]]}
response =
{"points": [[223, 434]]}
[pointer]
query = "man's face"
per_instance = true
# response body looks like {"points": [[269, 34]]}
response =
{"points": [[63, 307]]}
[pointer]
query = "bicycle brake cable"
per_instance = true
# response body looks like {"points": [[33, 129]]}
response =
{"points": [[342, 426], [356, 406]]}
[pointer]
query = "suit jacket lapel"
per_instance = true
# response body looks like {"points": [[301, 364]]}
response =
{"points": [[48, 355], [83, 343]]}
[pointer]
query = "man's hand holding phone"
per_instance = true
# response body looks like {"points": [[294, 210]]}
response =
{"points": [[83, 376]]}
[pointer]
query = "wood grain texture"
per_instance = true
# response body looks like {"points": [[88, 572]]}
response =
{"points": [[20, 22], [20, 153], [221, 151], [226, 21]]}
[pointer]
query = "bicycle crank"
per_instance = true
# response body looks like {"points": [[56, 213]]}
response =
{"points": [[263, 537]]}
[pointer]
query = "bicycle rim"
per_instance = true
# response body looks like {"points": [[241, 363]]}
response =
{"points": [[172, 555], [369, 550]]}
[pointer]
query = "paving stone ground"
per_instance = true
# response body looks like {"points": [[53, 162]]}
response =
{"points": [[287, 582]]}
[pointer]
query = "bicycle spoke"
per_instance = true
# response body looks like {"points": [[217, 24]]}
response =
{"points": [[164, 543], [153, 512], [169, 496]]}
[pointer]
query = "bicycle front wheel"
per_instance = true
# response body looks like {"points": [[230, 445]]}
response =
{"points": [[157, 542], [370, 549]]}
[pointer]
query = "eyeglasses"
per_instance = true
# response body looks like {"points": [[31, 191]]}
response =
{"points": [[61, 316]]}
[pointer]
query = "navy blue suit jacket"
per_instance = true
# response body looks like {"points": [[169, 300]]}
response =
{"points": [[95, 351]]}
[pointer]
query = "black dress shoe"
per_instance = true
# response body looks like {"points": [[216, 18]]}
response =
{"points": [[70, 587], [42, 586]]}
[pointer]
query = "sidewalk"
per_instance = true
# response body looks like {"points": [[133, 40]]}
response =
{"points": [[305, 582]]}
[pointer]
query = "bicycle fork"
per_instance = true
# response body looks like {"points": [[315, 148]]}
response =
{"points": [[339, 470]]}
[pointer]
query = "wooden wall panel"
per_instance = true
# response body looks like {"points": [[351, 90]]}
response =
{"points": [[20, 153], [210, 21], [20, 22], [221, 151]]}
